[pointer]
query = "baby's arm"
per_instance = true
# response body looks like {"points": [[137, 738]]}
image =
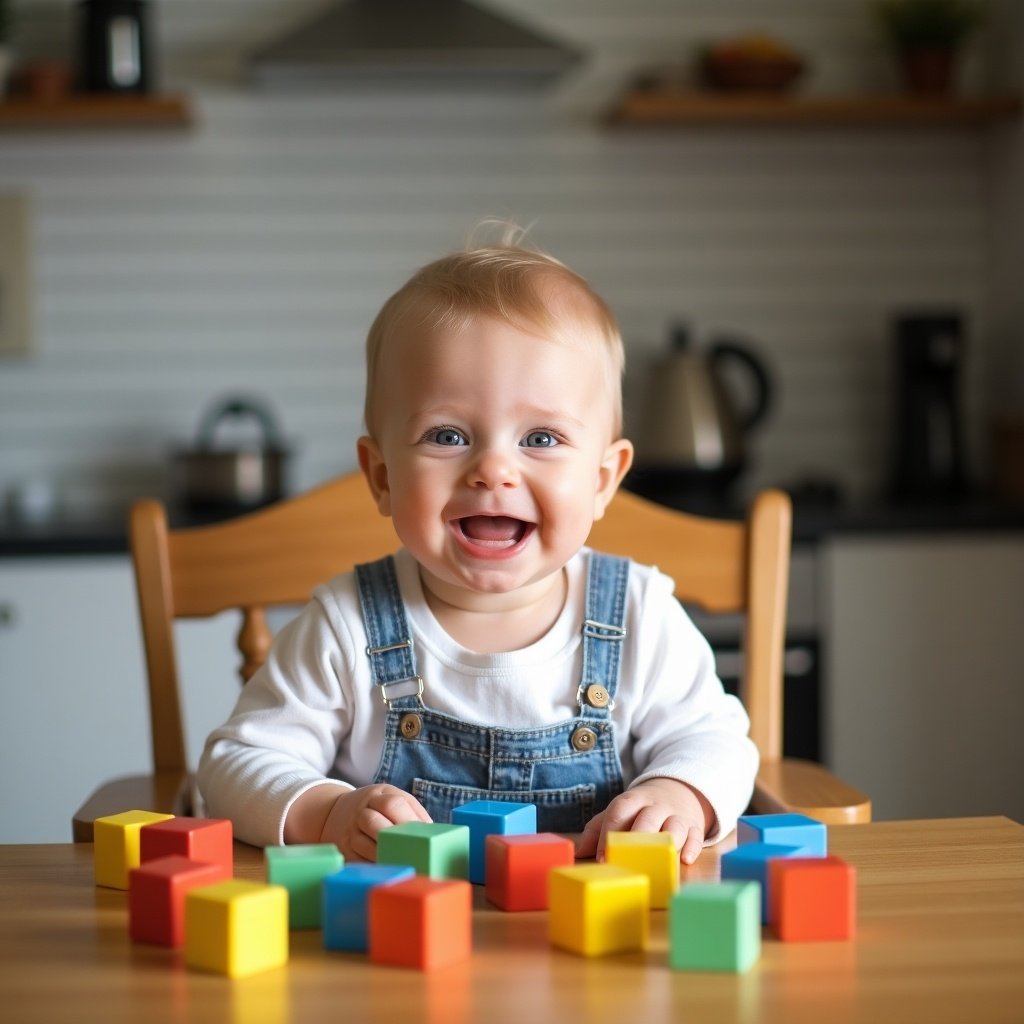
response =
{"points": [[351, 818], [657, 805], [271, 768]]}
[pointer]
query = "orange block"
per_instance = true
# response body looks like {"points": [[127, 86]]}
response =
{"points": [[421, 922], [206, 840], [812, 898], [518, 868]]}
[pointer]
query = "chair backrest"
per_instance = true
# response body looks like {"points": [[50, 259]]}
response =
{"points": [[274, 556], [721, 566], [277, 555]]}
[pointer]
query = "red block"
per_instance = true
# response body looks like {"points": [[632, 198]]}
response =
{"points": [[421, 922], [517, 868], [156, 897], [208, 840], [812, 898]]}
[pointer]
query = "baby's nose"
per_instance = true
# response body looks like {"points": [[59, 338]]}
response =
{"points": [[494, 468]]}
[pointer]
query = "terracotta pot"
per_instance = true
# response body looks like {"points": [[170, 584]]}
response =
{"points": [[46, 81], [930, 70]]}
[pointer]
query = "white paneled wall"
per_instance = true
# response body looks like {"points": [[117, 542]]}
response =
{"points": [[251, 253]]}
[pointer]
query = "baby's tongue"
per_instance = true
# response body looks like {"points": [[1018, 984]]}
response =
{"points": [[492, 528]]}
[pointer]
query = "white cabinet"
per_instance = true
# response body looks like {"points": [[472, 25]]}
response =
{"points": [[924, 652], [73, 708]]}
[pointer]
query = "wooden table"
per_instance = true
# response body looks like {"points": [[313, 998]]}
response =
{"points": [[941, 938]]}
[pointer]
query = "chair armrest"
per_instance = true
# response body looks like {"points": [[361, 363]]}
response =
{"points": [[165, 792], [807, 788]]}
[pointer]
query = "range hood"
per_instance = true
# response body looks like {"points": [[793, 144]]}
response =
{"points": [[401, 39]]}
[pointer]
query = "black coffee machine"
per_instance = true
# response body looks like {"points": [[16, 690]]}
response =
{"points": [[929, 357], [115, 50]]}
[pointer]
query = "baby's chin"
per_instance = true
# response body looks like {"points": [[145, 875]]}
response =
{"points": [[492, 589]]}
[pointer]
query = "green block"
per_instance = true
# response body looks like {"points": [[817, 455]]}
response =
{"points": [[430, 848], [301, 870], [715, 926]]}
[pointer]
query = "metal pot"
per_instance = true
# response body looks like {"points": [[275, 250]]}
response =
{"points": [[246, 476]]}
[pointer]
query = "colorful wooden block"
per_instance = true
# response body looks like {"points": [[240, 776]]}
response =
{"points": [[598, 908], [491, 817], [301, 869], [116, 845], [236, 927], [207, 840], [421, 922], [346, 897], [810, 835], [813, 899], [517, 868], [156, 896], [431, 848], [715, 926], [750, 862], [653, 854]]}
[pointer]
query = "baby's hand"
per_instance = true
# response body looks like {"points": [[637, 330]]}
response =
{"points": [[657, 805], [358, 815]]}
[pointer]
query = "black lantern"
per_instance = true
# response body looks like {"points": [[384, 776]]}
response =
{"points": [[114, 46]]}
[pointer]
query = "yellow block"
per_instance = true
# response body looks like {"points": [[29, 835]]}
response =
{"points": [[598, 908], [236, 928], [116, 845], [653, 854]]}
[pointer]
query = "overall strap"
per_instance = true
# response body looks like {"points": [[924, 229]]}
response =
{"points": [[390, 641], [604, 629]]}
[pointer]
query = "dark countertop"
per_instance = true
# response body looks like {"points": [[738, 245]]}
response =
{"points": [[99, 534], [812, 523]]}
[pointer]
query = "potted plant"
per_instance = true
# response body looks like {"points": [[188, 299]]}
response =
{"points": [[928, 36]]}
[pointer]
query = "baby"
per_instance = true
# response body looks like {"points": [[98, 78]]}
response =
{"points": [[494, 656]]}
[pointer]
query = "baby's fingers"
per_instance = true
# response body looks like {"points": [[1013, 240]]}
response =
{"points": [[587, 840], [689, 838], [397, 807]]}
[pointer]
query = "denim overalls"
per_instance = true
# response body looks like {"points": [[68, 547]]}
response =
{"points": [[570, 770]]}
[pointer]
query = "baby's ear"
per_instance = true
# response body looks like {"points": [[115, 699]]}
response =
{"points": [[371, 461], [618, 457]]}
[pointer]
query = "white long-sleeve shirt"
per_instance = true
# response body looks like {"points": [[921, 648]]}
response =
{"points": [[312, 715]]}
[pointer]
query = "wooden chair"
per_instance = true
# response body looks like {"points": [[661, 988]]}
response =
{"points": [[725, 566], [276, 556]]}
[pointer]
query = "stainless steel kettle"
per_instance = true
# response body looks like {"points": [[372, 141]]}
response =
{"points": [[692, 423]]}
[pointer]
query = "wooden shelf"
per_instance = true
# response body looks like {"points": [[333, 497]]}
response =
{"points": [[88, 112], [665, 107]]}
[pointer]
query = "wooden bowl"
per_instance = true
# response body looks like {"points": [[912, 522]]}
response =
{"points": [[765, 73]]}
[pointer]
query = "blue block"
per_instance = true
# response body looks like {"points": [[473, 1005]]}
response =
{"points": [[784, 830], [749, 862], [488, 818], [346, 894]]}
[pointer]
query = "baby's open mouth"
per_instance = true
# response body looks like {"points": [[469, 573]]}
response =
{"points": [[493, 531]]}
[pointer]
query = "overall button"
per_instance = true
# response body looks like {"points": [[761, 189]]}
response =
{"points": [[584, 739], [596, 696], [410, 725]]}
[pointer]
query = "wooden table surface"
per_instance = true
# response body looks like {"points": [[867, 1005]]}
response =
{"points": [[941, 938]]}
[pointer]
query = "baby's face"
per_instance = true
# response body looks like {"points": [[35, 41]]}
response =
{"points": [[493, 453]]}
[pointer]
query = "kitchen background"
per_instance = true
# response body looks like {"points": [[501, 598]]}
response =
{"points": [[249, 253]]}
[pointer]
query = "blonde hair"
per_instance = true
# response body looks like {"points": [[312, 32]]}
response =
{"points": [[524, 287]]}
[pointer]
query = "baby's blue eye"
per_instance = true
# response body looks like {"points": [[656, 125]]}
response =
{"points": [[539, 439], [447, 436]]}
